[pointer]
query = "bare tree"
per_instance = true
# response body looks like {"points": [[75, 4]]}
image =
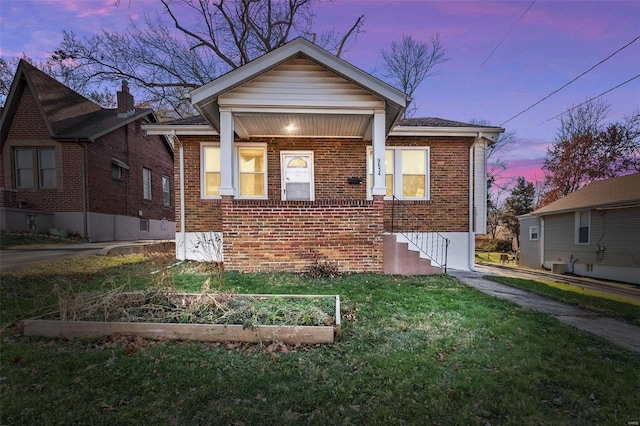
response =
{"points": [[409, 62], [586, 150], [495, 164], [191, 43]]}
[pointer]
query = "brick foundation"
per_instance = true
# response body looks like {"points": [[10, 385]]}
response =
{"points": [[290, 236]]}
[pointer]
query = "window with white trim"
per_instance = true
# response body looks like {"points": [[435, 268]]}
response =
{"points": [[252, 167], [249, 165], [407, 172], [166, 191], [35, 167], [533, 233], [582, 227], [146, 184]]}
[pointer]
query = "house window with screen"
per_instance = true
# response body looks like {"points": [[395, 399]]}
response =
{"points": [[583, 225], [533, 233], [35, 168], [166, 191], [146, 184], [407, 172]]}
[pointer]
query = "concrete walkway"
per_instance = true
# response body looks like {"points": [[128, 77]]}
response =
{"points": [[622, 334]]}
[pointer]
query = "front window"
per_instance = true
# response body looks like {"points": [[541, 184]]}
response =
{"points": [[407, 172], [35, 167], [166, 191], [250, 171], [146, 184], [533, 233], [211, 171], [583, 225]]}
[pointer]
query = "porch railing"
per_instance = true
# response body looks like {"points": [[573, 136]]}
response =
{"points": [[419, 233]]}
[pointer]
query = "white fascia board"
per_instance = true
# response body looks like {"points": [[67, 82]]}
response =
{"points": [[489, 134], [290, 50], [184, 130]]}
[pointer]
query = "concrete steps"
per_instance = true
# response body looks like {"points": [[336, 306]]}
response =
{"points": [[399, 259]]}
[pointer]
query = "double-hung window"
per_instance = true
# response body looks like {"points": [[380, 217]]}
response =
{"points": [[166, 191], [249, 167], [534, 233], [146, 184], [582, 227], [35, 167], [407, 172]]}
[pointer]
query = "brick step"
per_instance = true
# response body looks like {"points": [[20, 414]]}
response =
{"points": [[398, 259]]}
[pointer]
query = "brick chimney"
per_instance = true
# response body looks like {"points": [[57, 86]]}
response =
{"points": [[125, 101]]}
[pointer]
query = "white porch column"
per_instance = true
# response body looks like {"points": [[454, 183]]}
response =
{"points": [[226, 153], [379, 145]]}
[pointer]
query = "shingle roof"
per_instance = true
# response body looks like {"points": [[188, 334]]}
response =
{"points": [[409, 122], [61, 106], [67, 114], [618, 191]]}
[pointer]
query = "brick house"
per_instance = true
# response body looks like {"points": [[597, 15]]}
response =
{"points": [[71, 166], [299, 157]]}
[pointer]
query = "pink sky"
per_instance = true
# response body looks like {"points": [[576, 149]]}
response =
{"points": [[552, 44]]}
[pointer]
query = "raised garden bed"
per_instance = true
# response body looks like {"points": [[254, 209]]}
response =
{"points": [[201, 317]]}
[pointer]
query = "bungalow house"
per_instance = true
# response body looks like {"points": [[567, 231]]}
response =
{"points": [[593, 232], [300, 157], [71, 167]]}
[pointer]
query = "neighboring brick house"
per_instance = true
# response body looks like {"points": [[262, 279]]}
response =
{"points": [[300, 157], [70, 166]]}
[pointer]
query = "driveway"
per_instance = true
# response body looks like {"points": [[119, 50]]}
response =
{"points": [[20, 258]]}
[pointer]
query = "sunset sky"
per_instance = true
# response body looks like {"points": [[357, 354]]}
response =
{"points": [[505, 55]]}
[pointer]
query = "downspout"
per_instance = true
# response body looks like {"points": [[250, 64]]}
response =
{"points": [[183, 232], [472, 242], [85, 215], [542, 242], [183, 228]]}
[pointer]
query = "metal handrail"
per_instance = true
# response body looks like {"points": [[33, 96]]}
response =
{"points": [[416, 230]]}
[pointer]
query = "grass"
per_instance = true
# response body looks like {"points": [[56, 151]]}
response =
{"points": [[14, 241], [414, 350], [625, 311]]}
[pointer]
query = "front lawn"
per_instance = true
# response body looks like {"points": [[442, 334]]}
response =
{"points": [[414, 350]]}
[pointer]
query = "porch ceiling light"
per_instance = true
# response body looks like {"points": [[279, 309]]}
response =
{"points": [[290, 127]]}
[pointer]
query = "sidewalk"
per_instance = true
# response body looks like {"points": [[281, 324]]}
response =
{"points": [[620, 333]]}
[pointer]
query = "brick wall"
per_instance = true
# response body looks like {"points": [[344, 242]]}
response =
{"points": [[341, 225], [274, 235], [201, 215], [448, 208], [28, 129], [125, 196]]}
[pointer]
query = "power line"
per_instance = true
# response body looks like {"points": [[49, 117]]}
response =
{"points": [[588, 100], [507, 34], [566, 84]]}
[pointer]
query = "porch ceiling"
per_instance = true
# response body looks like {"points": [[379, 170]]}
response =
{"points": [[248, 125]]}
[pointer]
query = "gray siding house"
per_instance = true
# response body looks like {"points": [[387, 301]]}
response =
{"points": [[594, 232]]}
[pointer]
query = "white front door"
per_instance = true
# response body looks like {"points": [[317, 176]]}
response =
{"points": [[297, 175]]}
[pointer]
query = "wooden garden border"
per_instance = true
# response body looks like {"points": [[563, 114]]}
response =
{"points": [[200, 332]]}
